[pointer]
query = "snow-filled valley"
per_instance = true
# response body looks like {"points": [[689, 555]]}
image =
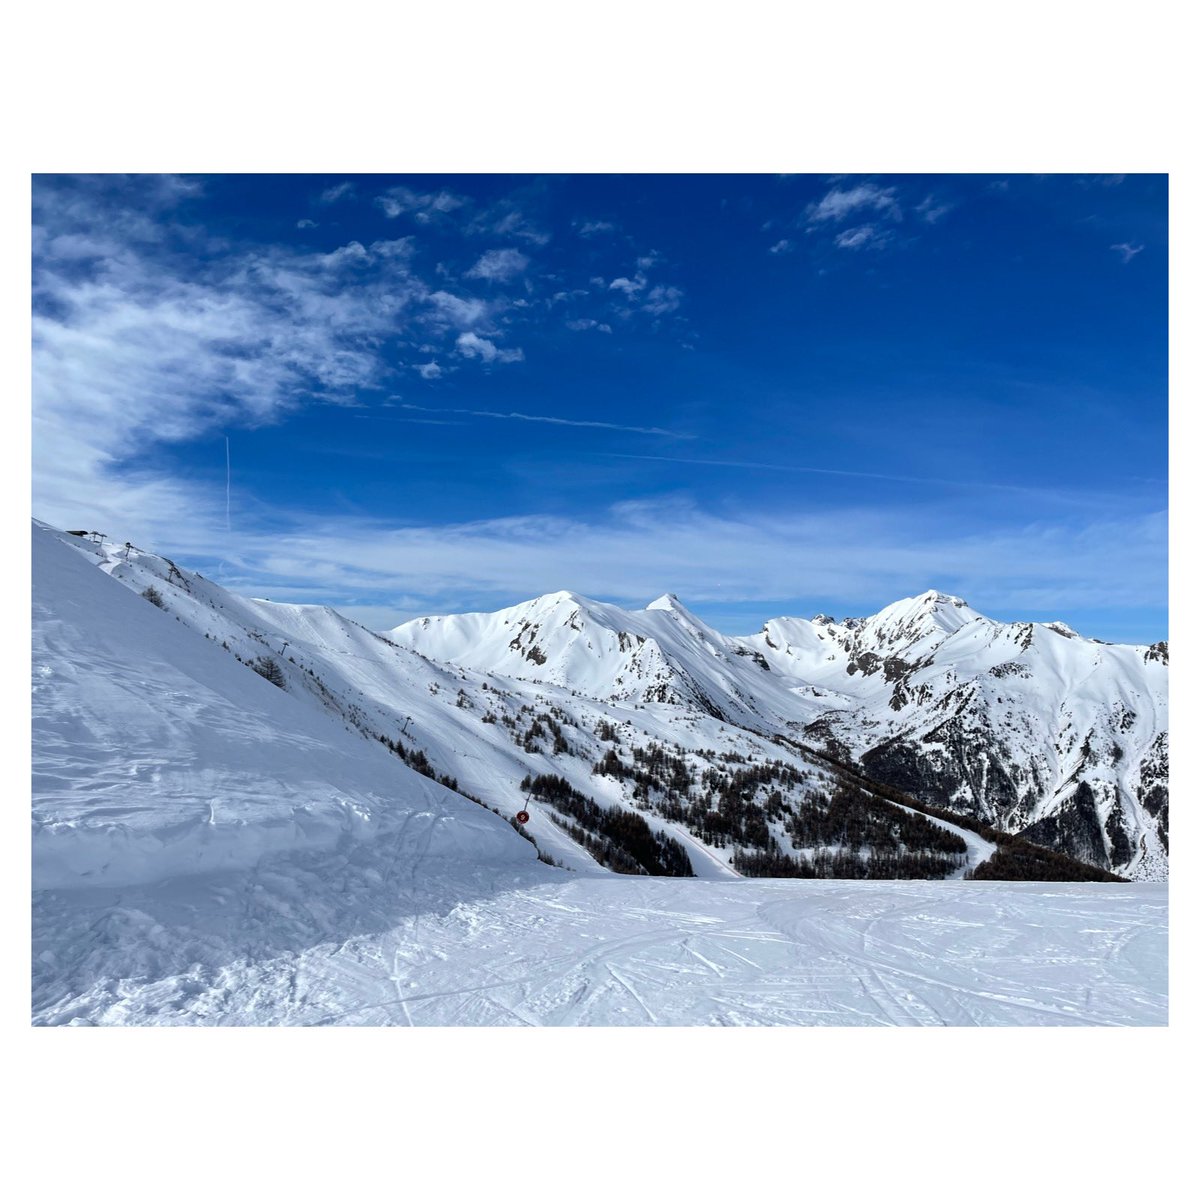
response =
{"points": [[238, 817]]}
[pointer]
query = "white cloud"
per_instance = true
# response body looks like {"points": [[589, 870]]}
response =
{"points": [[1127, 251], [636, 550], [662, 299], [657, 300], [351, 254], [471, 345], [429, 370], [630, 287], [499, 265], [395, 248], [511, 222], [305, 223], [460, 311], [595, 228], [932, 211], [339, 191], [861, 237], [781, 247], [423, 207], [838, 203], [585, 323], [135, 345]]}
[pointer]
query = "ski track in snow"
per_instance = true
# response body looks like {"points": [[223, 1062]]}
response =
{"points": [[526, 949]]}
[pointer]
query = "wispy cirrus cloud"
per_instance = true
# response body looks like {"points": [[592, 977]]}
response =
{"points": [[499, 265], [855, 558], [840, 202], [931, 210], [965, 485], [862, 237], [147, 330], [423, 207], [1127, 251], [339, 191], [662, 299], [509, 219]]}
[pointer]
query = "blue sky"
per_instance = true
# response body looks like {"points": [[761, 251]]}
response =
{"points": [[769, 394]]}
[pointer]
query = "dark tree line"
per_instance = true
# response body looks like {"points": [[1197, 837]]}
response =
{"points": [[419, 761], [721, 808], [1019, 860], [855, 820], [843, 864], [652, 770], [270, 670], [622, 837]]}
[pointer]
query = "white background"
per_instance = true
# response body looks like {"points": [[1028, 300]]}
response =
{"points": [[523, 87]]}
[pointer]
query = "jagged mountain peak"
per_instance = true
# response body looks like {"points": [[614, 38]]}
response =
{"points": [[671, 604], [562, 596], [917, 617], [932, 597], [667, 600], [1062, 628]]}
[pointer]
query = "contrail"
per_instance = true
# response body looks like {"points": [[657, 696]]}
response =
{"points": [[802, 470], [520, 416]]}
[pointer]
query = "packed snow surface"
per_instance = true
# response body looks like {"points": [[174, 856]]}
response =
{"points": [[371, 939]]}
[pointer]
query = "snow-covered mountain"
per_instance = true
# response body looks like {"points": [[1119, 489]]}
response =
{"points": [[657, 779], [659, 655], [157, 753], [708, 740], [1030, 728]]}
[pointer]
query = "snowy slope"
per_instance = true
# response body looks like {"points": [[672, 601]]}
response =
{"points": [[157, 754]]}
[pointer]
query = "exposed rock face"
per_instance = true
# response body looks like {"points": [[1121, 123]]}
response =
{"points": [[1030, 727]]}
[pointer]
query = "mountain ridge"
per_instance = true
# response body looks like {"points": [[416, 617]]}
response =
{"points": [[1015, 726], [1021, 724]]}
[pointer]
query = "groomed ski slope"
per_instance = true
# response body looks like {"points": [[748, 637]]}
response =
{"points": [[209, 849], [379, 940]]}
